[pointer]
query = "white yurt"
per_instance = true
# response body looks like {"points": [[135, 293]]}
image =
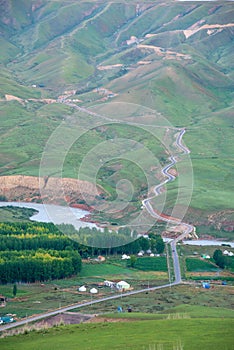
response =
{"points": [[122, 285], [82, 289], [125, 257], [93, 291]]}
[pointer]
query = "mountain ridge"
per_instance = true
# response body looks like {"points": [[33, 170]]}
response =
{"points": [[174, 58]]}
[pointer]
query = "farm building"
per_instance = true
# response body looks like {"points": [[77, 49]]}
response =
{"points": [[122, 285], [109, 284]]}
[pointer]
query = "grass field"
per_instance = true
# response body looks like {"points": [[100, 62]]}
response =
{"points": [[180, 311], [151, 264], [89, 270], [166, 334], [36, 298], [197, 265], [165, 300]]}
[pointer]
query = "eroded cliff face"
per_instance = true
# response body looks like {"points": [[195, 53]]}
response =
{"points": [[49, 190]]}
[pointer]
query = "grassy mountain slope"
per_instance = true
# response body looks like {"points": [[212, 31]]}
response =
{"points": [[173, 57]]}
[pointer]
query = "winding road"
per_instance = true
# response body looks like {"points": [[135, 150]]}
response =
{"points": [[157, 190], [152, 212]]}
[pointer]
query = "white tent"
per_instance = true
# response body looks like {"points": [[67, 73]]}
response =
{"points": [[82, 289], [125, 257], [122, 285], [93, 291]]}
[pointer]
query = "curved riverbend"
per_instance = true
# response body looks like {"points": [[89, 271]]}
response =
{"points": [[61, 214]]}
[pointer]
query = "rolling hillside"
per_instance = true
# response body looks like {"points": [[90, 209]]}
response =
{"points": [[175, 58]]}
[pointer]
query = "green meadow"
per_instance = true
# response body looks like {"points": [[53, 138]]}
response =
{"points": [[164, 334]]}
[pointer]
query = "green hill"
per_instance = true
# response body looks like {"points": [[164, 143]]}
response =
{"points": [[175, 58]]}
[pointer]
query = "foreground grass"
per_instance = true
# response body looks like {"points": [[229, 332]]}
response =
{"points": [[186, 333]]}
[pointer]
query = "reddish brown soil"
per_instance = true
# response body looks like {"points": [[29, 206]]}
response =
{"points": [[51, 190]]}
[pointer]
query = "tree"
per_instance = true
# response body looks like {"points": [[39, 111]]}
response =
{"points": [[219, 258], [132, 261], [217, 254], [160, 245], [144, 243], [14, 292]]}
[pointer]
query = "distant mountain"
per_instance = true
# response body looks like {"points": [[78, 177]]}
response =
{"points": [[175, 57]]}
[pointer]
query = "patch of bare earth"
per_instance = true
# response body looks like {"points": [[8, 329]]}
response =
{"points": [[22, 101], [101, 319], [77, 318], [66, 318], [50, 190]]}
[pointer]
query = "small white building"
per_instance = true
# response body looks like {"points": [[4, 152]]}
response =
{"points": [[125, 257], [141, 253], [82, 289], [122, 285], [226, 252], [93, 291]]}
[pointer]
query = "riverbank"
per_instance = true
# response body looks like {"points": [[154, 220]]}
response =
{"points": [[80, 218], [55, 213]]}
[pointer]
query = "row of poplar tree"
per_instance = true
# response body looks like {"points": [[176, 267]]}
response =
{"points": [[32, 252]]}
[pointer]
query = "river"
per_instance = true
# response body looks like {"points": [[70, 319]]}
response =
{"points": [[68, 215], [54, 213]]}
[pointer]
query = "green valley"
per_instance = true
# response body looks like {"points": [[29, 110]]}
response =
{"points": [[174, 59], [123, 110]]}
